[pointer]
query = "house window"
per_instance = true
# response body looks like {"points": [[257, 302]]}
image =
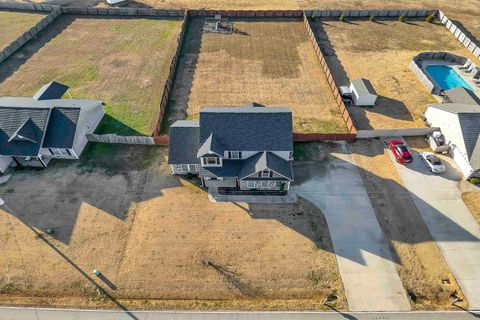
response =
{"points": [[272, 184], [184, 168], [234, 154], [250, 184], [265, 173], [192, 168], [264, 184], [211, 161]]}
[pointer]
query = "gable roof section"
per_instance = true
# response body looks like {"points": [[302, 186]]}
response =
{"points": [[61, 128], [266, 160], [461, 95], [211, 146], [248, 128], [363, 86], [52, 90], [183, 143], [29, 123]]}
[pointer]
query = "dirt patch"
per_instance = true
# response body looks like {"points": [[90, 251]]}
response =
{"points": [[121, 61], [271, 62], [472, 201], [132, 220], [420, 265], [381, 52], [14, 24]]}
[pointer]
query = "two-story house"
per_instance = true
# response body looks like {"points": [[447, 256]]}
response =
{"points": [[243, 150]]}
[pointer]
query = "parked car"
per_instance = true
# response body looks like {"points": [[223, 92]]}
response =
{"points": [[433, 162], [400, 151]]}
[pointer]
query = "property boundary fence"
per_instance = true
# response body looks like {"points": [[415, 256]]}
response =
{"points": [[113, 138], [336, 93], [28, 35], [391, 13], [469, 42], [409, 132], [145, 12]]}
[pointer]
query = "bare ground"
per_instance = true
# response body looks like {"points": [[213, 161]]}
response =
{"points": [[265, 61], [121, 61], [472, 200], [420, 265], [134, 222], [381, 52], [14, 24]]}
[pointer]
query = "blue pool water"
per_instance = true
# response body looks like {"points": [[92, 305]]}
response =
{"points": [[446, 77]]}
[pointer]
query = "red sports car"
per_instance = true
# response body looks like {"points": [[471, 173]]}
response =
{"points": [[400, 151]]}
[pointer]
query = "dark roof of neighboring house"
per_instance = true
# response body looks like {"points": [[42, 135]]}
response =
{"points": [[363, 86], [248, 128], [61, 128], [461, 95], [266, 160], [16, 123], [52, 90], [469, 120], [183, 144]]}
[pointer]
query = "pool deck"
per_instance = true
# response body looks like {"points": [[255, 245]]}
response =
{"points": [[468, 77]]}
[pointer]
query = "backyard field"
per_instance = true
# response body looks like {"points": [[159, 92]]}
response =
{"points": [[14, 24], [381, 52], [420, 265], [135, 222], [271, 63], [121, 61]]}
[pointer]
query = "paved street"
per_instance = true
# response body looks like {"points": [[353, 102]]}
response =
{"points": [[438, 199], [369, 276], [70, 314]]}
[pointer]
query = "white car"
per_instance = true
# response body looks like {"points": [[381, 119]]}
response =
{"points": [[433, 162]]}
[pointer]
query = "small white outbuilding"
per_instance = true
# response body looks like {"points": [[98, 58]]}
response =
{"points": [[363, 93]]}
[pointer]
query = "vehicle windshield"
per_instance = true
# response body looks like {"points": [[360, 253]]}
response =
{"points": [[434, 160], [403, 151]]}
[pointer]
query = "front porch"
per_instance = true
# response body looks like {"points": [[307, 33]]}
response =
{"points": [[250, 196]]}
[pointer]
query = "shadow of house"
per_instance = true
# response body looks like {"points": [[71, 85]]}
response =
{"points": [[110, 177]]}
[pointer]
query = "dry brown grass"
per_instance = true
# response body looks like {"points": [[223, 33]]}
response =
{"points": [[420, 264], [381, 52], [472, 200], [123, 62], [14, 24], [140, 229], [269, 62]]}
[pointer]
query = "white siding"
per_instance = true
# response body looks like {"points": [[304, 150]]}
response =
{"points": [[88, 121], [4, 163]]}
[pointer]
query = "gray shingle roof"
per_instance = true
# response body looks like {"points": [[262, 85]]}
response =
{"points": [[248, 128], [52, 90], [61, 128], [266, 160], [183, 144], [363, 86], [229, 168], [461, 95], [211, 146]]}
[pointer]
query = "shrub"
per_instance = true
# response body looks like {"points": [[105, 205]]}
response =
{"points": [[372, 18], [474, 180], [314, 16], [430, 18], [341, 18], [401, 18]]}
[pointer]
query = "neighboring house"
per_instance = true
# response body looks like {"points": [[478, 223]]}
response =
{"points": [[35, 130], [363, 93], [243, 150], [460, 124]]}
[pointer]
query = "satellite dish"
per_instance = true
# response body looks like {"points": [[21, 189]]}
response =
{"points": [[2, 202]]}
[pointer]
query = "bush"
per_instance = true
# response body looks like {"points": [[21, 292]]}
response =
{"points": [[314, 16], [401, 18], [430, 18], [372, 18], [341, 18], [474, 180]]}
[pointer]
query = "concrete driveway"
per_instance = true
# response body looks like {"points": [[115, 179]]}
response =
{"points": [[369, 276], [457, 234]]}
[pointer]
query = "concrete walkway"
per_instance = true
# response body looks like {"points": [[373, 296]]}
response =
{"points": [[71, 314], [369, 276], [457, 234]]}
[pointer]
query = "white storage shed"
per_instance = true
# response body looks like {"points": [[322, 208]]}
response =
{"points": [[363, 93]]}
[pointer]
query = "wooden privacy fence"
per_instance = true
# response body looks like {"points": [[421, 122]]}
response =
{"points": [[145, 12], [312, 137], [246, 13], [459, 32], [336, 93], [113, 138], [27, 36], [391, 13]]}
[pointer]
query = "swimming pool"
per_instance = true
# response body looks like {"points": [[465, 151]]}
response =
{"points": [[446, 77]]}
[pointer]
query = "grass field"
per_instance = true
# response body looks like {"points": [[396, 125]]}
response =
{"points": [[271, 63], [381, 52], [14, 24], [123, 62], [134, 221]]}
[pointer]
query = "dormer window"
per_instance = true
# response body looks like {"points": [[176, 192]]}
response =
{"points": [[211, 161], [265, 173], [234, 155]]}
